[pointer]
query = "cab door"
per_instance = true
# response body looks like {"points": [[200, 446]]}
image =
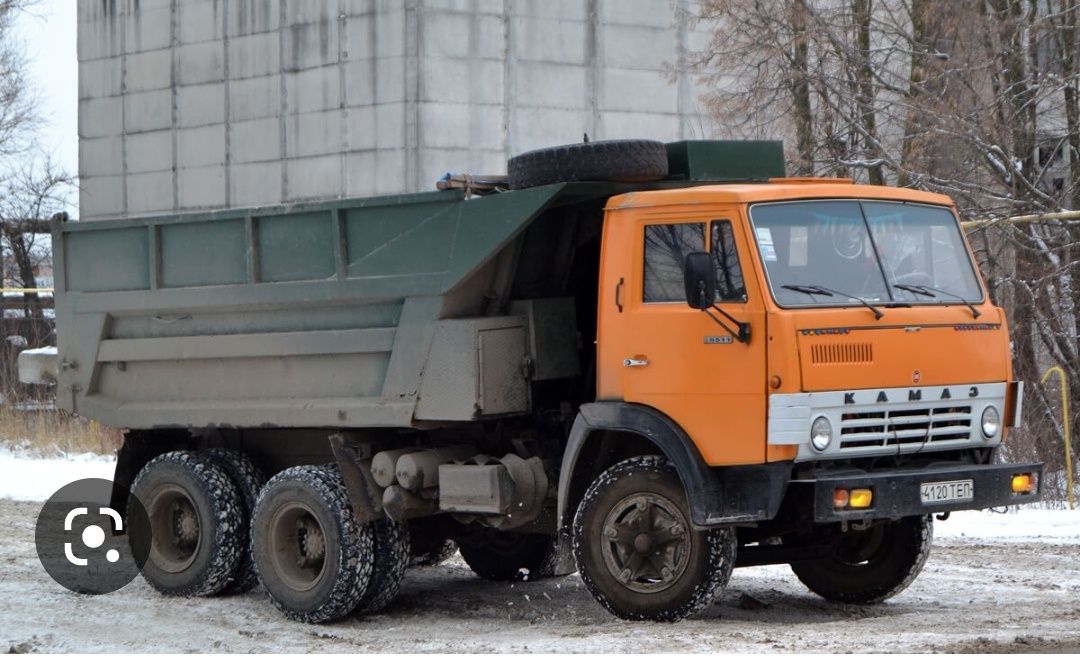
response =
{"points": [[677, 359]]}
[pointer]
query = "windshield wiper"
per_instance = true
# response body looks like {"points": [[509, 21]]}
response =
{"points": [[829, 292], [927, 291]]}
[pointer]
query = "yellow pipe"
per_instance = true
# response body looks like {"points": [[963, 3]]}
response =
{"points": [[27, 290], [1026, 218], [1065, 425]]}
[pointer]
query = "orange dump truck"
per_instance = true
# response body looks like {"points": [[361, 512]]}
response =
{"points": [[668, 360]]}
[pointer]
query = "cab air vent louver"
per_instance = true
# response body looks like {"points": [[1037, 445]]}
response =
{"points": [[841, 353]]}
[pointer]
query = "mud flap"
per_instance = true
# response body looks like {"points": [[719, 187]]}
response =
{"points": [[354, 462]]}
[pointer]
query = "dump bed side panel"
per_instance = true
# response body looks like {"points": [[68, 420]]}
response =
{"points": [[318, 315]]}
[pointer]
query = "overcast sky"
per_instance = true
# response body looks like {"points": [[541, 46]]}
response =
{"points": [[48, 34]]}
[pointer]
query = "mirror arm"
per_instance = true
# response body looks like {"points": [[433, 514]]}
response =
{"points": [[704, 304]]}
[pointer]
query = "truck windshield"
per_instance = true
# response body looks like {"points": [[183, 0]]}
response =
{"points": [[849, 252]]}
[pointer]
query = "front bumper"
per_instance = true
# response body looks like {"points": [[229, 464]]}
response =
{"points": [[897, 492]]}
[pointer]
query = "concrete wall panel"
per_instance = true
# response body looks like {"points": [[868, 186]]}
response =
{"points": [[201, 146], [103, 116], [147, 111], [101, 156], [254, 55], [256, 140], [151, 70], [149, 193], [199, 105], [252, 98], [149, 151], [255, 184], [316, 177], [196, 104], [201, 188], [100, 196]]}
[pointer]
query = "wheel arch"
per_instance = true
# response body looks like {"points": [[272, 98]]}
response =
{"points": [[608, 432], [605, 433]]}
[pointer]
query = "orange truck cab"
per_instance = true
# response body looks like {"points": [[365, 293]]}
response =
{"points": [[820, 363]]}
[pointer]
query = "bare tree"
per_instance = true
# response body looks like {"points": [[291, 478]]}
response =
{"points": [[28, 198]]}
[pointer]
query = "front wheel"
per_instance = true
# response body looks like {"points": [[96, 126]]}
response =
{"points": [[637, 550], [870, 565]]}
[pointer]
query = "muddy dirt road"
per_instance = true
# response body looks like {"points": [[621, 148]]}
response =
{"points": [[974, 596]]}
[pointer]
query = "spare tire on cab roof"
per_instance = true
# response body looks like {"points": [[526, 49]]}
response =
{"points": [[600, 161]]}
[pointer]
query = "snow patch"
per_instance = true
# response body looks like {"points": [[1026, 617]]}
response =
{"points": [[25, 477], [1026, 524]]}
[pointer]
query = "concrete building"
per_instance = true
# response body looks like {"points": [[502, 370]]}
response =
{"points": [[205, 104]]}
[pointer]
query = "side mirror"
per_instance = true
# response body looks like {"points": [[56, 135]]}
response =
{"points": [[700, 280]]}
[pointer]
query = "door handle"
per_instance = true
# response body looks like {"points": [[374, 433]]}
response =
{"points": [[634, 362]]}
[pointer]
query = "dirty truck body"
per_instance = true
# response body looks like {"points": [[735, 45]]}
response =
{"points": [[538, 370]]}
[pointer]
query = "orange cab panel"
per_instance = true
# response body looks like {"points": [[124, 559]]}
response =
{"points": [[657, 351]]}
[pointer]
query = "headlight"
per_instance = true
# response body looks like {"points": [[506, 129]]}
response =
{"points": [[991, 422], [820, 434]]}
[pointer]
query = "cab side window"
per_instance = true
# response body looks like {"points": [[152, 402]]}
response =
{"points": [[725, 258], [666, 246]]}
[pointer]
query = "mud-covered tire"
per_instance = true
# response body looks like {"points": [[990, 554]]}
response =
{"points": [[644, 493], [426, 551], [600, 161], [505, 556], [873, 565], [249, 480], [391, 559], [196, 517], [301, 512]]}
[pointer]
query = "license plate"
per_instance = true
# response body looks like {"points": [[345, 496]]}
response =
{"points": [[947, 491]]}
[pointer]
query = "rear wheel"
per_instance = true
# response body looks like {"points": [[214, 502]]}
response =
{"points": [[311, 556], [391, 559], [871, 565], [249, 480], [637, 550], [196, 519], [503, 556]]}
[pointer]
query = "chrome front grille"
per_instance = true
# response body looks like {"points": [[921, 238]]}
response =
{"points": [[886, 421], [904, 425]]}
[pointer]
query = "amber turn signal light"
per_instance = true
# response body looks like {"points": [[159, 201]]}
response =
{"points": [[857, 498], [1023, 483], [861, 498]]}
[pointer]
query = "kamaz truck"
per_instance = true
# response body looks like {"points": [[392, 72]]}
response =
{"points": [[652, 363]]}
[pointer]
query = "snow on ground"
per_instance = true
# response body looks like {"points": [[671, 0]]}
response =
{"points": [[995, 582], [24, 476], [974, 597], [1025, 524]]}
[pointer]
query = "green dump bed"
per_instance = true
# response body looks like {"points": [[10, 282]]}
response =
{"points": [[340, 314]]}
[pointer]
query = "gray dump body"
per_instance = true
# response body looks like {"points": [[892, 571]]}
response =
{"points": [[361, 313]]}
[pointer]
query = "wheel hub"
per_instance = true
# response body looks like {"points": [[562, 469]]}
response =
{"points": [[175, 528], [646, 542], [643, 543], [311, 543], [299, 544], [185, 524]]}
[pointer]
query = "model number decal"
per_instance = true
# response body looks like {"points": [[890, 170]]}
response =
{"points": [[717, 340]]}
